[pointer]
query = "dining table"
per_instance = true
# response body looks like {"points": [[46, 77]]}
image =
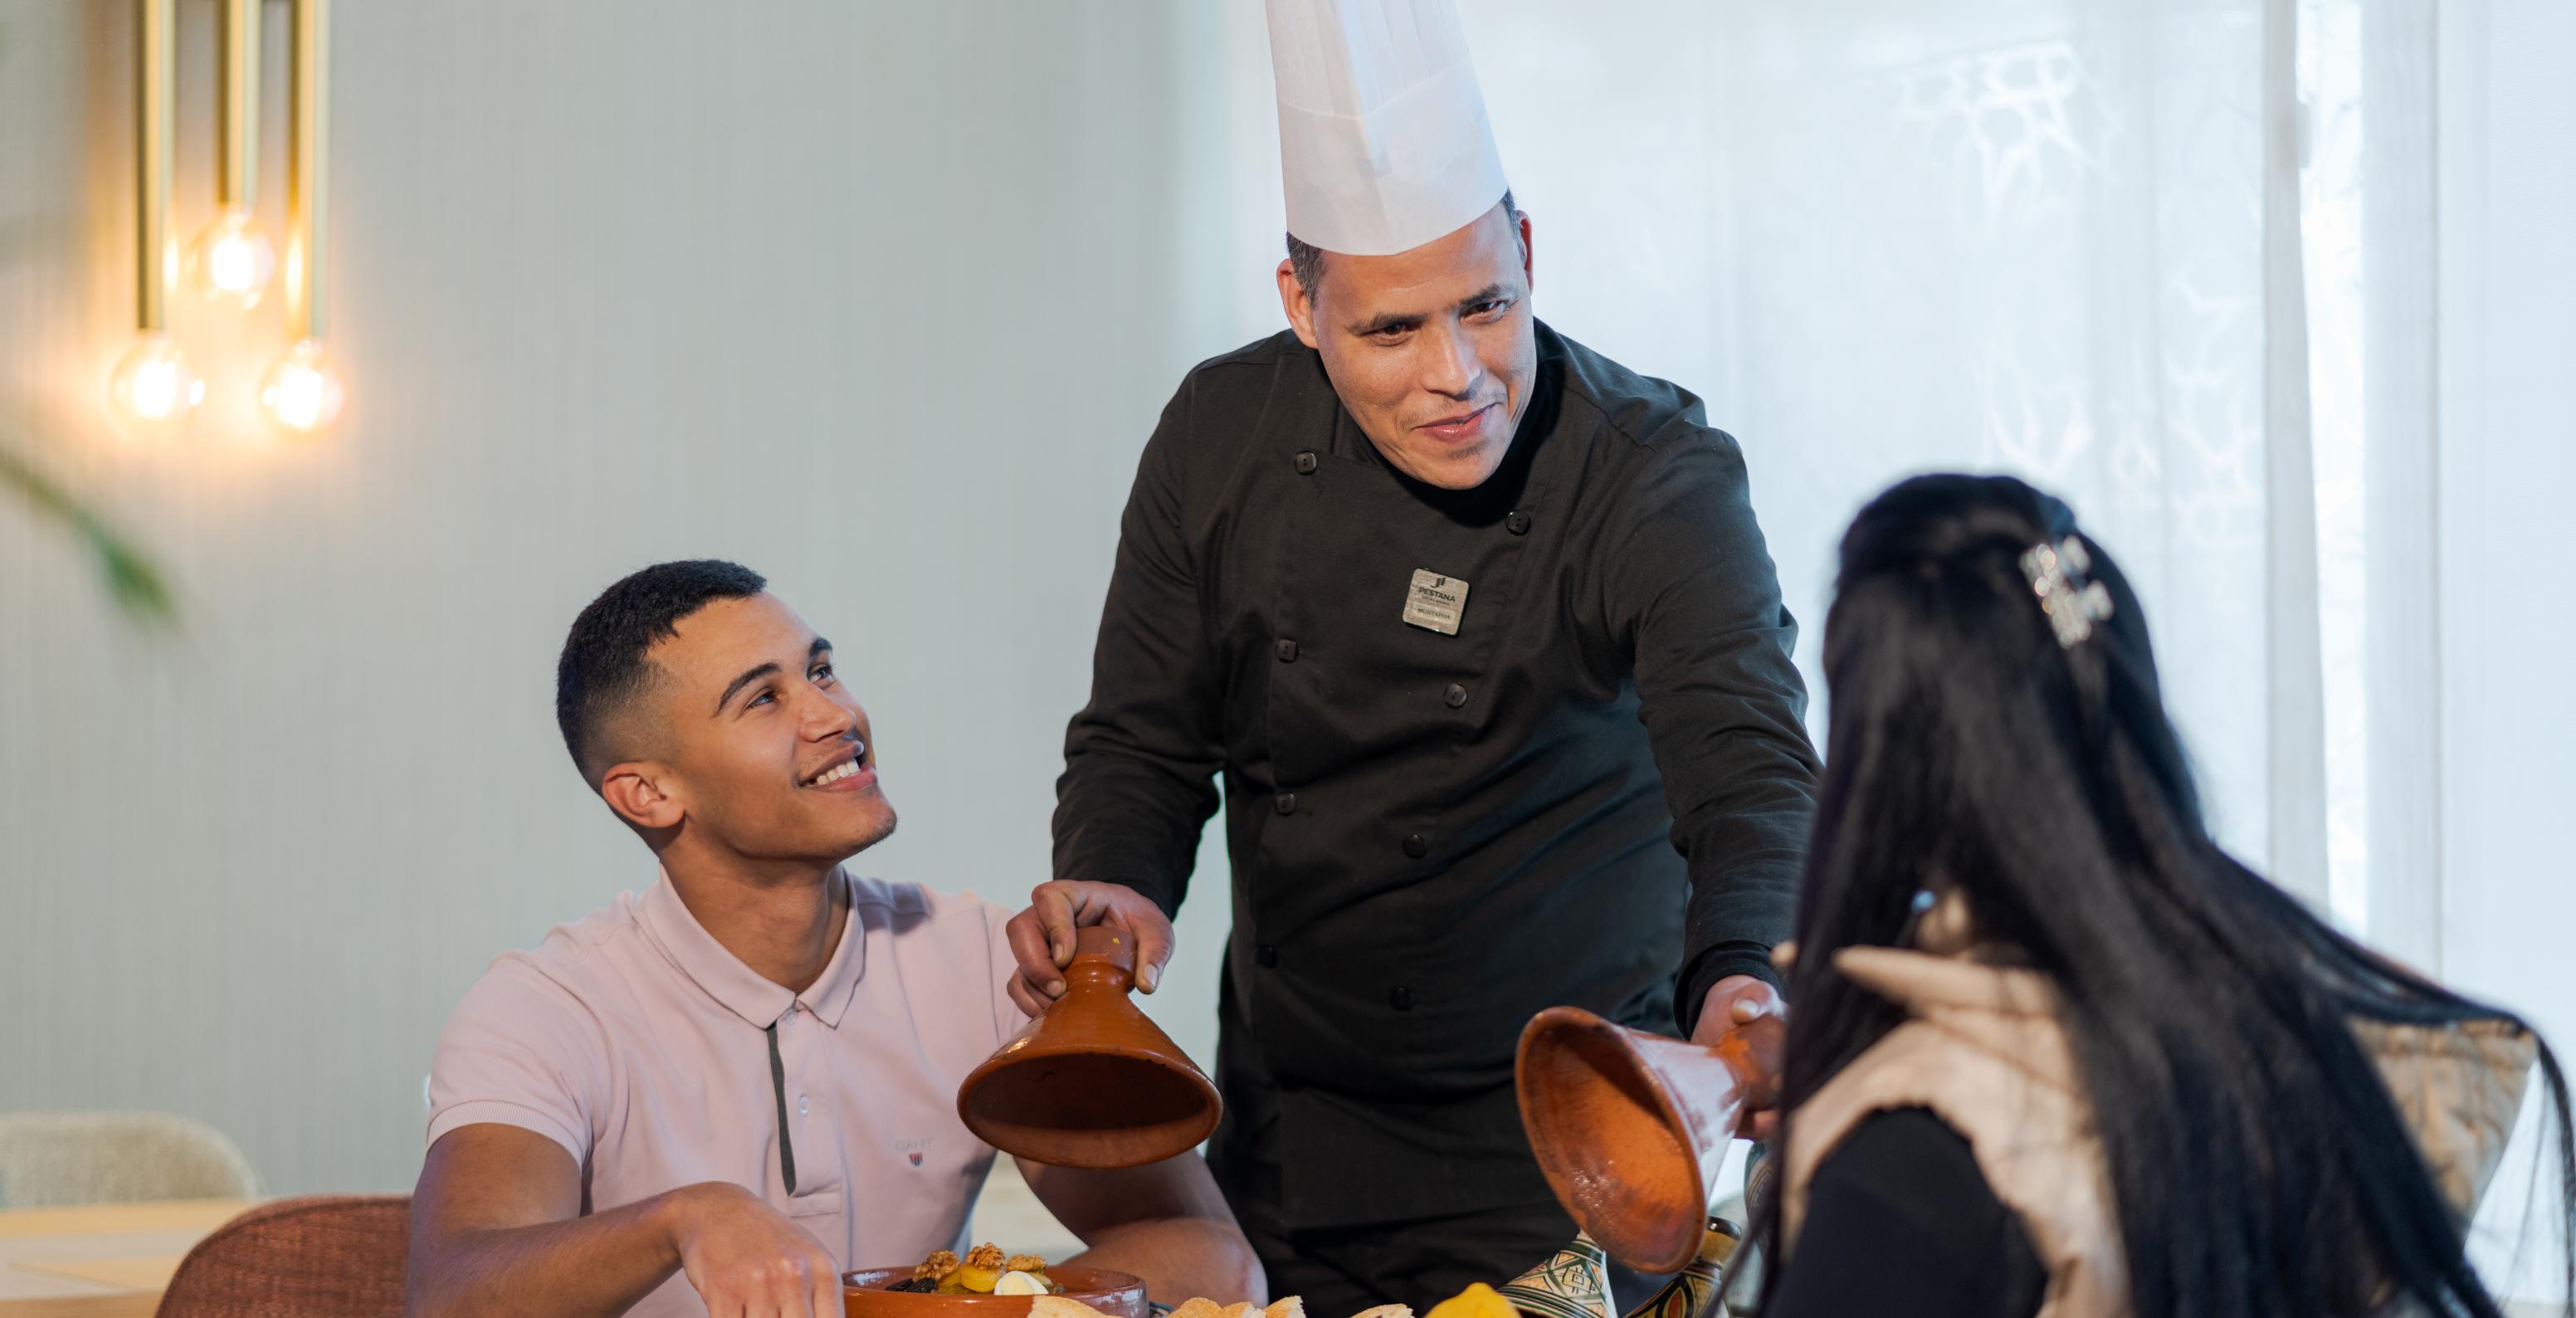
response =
{"points": [[100, 1260]]}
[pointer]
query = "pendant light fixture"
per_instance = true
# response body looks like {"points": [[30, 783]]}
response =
{"points": [[154, 385], [232, 262], [302, 392]]}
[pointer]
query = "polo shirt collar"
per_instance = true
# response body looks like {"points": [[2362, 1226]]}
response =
{"points": [[737, 987]]}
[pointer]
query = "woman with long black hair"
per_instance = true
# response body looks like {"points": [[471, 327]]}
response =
{"points": [[2053, 1051]]}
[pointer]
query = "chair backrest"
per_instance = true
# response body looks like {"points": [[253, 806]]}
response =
{"points": [[51, 1159], [326, 1256]]}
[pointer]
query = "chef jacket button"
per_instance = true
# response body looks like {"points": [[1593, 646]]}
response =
{"points": [[1415, 847], [1286, 804], [1456, 695], [1286, 650], [1402, 999], [1517, 523], [1306, 464], [1266, 955]]}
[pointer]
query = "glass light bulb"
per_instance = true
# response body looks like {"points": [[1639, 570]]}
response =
{"points": [[232, 261], [301, 392], [154, 382]]}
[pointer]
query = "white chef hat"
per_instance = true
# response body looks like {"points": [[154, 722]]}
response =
{"points": [[1383, 140]]}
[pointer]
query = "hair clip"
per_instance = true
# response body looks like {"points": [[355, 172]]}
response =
{"points": [[2072, 604]]}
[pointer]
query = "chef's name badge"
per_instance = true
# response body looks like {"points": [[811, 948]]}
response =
{"points": [[1435, 602]]}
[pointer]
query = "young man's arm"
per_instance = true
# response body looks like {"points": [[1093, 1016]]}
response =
{"points": [[1164, 1222], [496, 1230]]}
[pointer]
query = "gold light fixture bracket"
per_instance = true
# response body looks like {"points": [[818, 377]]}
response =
{"points": [[308, 159]]}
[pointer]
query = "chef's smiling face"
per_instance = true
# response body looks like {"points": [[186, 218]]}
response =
{"points": [[763, 753], [1432, 350]]}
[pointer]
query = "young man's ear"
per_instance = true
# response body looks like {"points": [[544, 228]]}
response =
{"points": [[643, 793], [1299, 307]]}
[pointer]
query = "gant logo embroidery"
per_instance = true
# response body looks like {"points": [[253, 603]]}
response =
{"points": [[912, 1150]]}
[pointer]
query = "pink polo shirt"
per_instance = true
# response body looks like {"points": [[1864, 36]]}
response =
{"points": [[638, 1043]]}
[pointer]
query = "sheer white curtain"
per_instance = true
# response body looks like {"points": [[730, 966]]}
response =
{"points": [[2053, 237], [2219, 272], [2176, 260]]}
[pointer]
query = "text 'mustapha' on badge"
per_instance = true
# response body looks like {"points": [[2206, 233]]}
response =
{"points": [[1435, 602]]}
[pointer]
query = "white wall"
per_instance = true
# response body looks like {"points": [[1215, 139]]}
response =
{"points": [[880, 299]]}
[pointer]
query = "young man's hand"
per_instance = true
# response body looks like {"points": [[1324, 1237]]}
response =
{"points": [[747, 1260]]}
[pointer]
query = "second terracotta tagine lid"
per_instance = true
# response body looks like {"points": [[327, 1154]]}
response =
{"points": [[1093, 1082], [1630, 1127]]}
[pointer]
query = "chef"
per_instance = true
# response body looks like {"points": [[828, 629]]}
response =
{"points": [[1477, 630]]}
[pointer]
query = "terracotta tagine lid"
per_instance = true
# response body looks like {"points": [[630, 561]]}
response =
{"points": [[1630, 1128], [864, 1295], [1093, 1082]]}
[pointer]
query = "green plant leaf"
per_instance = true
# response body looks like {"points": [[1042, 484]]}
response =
{"points": [[133, 582]]}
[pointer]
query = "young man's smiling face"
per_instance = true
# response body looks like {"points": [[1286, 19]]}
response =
{"points": [[757, 748]]}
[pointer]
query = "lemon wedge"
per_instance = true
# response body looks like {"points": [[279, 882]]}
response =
{"points": [[1477, 1301]]}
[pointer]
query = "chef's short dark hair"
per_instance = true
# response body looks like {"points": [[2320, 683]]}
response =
{"points": [[603, 668], [1308, 260]]}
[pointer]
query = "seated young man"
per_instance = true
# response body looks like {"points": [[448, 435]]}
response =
{"points": [[714, 1097]]}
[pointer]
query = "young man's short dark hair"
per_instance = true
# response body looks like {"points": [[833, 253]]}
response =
{"points": [[603, 668]]}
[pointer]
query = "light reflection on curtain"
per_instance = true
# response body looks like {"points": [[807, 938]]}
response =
{"points": [[2331, 205]]}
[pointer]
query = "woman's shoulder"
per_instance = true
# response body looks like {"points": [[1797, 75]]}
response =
{"points": [[1900, 1216]]}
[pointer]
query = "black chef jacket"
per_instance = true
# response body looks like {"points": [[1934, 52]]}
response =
{"points": [[1435, 836]]}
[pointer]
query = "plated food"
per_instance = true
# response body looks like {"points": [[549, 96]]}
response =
{"points": [[986, 1276], [1291, 1307], [985, 1270], [987, 1283], [1477, 1301]]}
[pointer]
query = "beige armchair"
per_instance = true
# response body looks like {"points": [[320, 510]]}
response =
{"points": [[59, 1158]]}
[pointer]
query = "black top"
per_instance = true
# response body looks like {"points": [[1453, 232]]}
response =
{"points": [[1435, 836], [1899, 1220]]}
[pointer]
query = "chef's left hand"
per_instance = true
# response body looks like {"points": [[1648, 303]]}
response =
{"points": [[1731, 1002]]}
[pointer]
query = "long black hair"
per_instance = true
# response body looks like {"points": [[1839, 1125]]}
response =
{"points": [[2258, 1165]]}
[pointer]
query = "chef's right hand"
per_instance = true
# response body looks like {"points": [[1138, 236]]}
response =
{"points": [[744, 1257], [1042, 936]]}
